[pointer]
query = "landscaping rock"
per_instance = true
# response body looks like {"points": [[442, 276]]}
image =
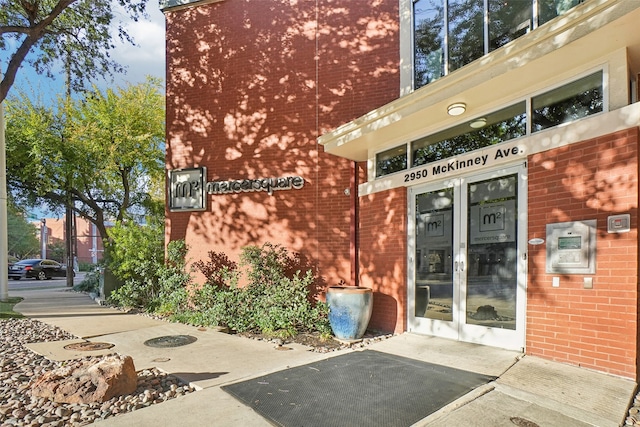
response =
{"points": [[90, 382]]}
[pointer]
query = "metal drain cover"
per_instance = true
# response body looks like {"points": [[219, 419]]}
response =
{"points": [[88, 346], [170, 341]]}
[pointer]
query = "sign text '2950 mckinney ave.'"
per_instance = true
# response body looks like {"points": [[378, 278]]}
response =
{"points": [[474, 161]]}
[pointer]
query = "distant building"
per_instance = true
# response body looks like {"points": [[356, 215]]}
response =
{"points": [[88, 246]]}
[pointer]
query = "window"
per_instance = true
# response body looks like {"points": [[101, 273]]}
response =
{"points": [[449, 34], [429, 41], [390, 161], [573, 101], [466, 32], [494, 128], [549, 9]]}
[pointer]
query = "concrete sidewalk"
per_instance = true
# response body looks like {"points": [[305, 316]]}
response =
{"points": [[529, 391]]}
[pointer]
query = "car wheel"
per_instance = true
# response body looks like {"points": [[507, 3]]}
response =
{"points": [[42, 275]]}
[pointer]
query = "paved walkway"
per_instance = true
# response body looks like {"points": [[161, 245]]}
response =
{"points": [[527, 389]]}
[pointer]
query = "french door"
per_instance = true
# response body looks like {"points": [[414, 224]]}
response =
{"points": [[467, 258]]}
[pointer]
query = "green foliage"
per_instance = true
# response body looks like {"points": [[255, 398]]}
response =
{"points": [[86, 266], [150, 281], [274, 301], [77, 34], [217, 269], [56, 251], [90, 283], [21, 237], [102, 155], [136, 251], [174, 279], [136, 256]]}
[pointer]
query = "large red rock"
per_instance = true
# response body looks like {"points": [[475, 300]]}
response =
{"points": [[89, 381]]}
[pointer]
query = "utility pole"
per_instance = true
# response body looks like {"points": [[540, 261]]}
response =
{"points": [[4, 240], [4, 232], [69, 214]]}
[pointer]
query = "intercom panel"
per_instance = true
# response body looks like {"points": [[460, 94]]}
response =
{"points": [[571, 247]]}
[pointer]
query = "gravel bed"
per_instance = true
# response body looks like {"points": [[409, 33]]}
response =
{"points": [[633, 416], [20, 367]]}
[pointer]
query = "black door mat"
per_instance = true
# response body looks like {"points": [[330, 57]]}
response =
{"points": [[362, 388]]}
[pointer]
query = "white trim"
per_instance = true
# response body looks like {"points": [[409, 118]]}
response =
{"points": [[172, 5], [457, 328], [405, 10], [559, 136]]}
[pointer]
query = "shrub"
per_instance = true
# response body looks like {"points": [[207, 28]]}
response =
{"points": [[90, 283], [174, 280], [275, 301], [217, 269], [86, 266], [137, 257]]}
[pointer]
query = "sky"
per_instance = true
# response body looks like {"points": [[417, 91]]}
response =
{"points": [[147, 57]]}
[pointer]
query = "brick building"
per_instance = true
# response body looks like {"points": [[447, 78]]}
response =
{"points": [[88, 246], [475, 163]]}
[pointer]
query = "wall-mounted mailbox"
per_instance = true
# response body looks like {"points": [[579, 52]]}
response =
{"points": [[571, 247]]}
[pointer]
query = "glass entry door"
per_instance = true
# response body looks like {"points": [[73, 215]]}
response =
{"points": [[468, 259]]}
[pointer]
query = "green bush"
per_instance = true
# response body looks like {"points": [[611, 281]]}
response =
{"points": [[136, 256], [86, 266], [90, 283], [274, 301]]}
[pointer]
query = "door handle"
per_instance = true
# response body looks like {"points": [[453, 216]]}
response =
{"points": [[460, 264]]}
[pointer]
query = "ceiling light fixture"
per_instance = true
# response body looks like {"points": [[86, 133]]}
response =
{"points": [[457, 108], [478, 123]]}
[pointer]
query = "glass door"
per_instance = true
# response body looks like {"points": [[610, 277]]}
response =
{"points": [[467, 259]]}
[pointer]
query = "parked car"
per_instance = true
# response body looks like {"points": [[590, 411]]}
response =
{"points": [[40, 269]]}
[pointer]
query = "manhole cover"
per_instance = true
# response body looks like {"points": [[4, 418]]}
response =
{"points": [[170, 341], [88, 346]]}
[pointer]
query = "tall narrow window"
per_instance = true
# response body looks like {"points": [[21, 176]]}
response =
{"points": [[466, 32], [449, 34], [429, 60], [549, 9], [508, 20]]}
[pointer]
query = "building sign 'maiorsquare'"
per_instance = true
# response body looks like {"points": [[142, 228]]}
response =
{"points": [[248, 185], [188, 187]]}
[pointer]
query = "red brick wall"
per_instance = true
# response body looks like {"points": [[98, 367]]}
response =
{"points": [[250, 86], [383, 257], [595, 328]]}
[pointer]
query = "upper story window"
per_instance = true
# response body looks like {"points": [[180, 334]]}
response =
{"points": [[448, 34]]}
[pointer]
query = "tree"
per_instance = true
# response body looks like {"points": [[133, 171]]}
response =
{"points": [[102, 155], [76, 32], [21, 233]]}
